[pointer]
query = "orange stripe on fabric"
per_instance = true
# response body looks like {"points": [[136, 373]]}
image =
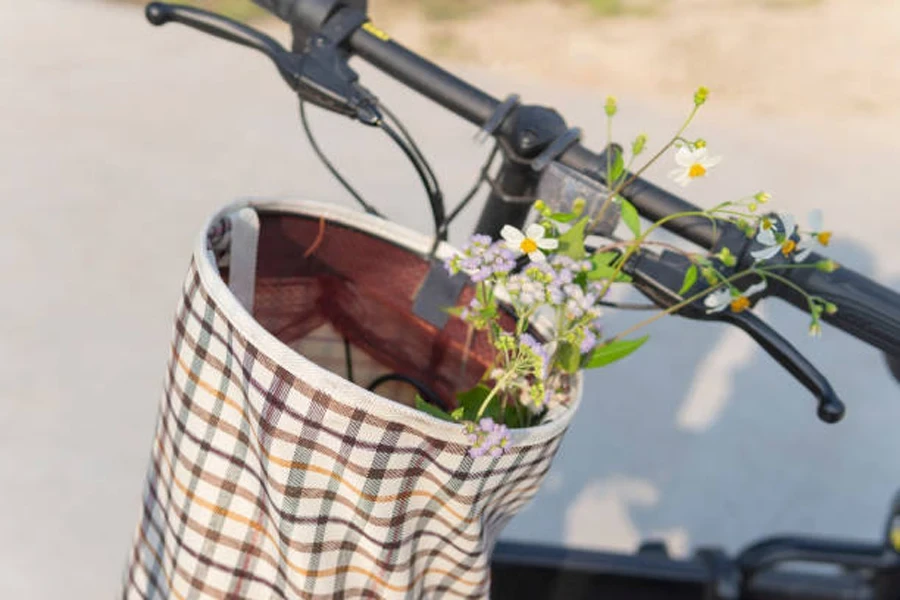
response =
{"points": [[224, 512], [259, 527]]}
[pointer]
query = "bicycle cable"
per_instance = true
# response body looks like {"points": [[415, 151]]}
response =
{"points": [[435, 184], [331, 168], [434, 197], [482, 177]]}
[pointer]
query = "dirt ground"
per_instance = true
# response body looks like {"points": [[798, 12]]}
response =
{"points": [[832, 63]]}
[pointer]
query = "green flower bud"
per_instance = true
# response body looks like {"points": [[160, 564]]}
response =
{"points": [[815, 330], [752, 207], [578, 206], [728, 259], [638, 145], [830, 308], [762, 197], [827, 266], [710, 275], [701, 95], [700, 143], [611, 106]]}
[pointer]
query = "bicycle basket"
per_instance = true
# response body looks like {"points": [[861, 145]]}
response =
{"points": [[272, 473]]}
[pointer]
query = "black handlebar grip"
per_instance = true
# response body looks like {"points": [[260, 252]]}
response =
{"points": [[866, 310]]}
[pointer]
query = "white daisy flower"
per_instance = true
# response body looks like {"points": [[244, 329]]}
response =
{"points": [[721, 299], [774, 242], [818, 230], [816, 235], [531, 242], [692, 163]]}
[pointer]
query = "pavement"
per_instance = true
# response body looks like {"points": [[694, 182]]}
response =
{"points": [[119, 139]]}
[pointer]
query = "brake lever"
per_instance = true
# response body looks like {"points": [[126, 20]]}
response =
{"points": [[658, 276], [320, 74]]}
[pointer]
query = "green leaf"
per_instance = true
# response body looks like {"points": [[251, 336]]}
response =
{"points": [[513, 418], [604, 258], [571, 243], [618, 167], [604, 267], [610, 353], [431, 409], [471, 401], [562, 217], [631, 217], [690, 278], [568, 357]]}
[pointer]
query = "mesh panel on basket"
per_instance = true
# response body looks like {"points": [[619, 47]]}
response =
{"points": [[357, 287]]}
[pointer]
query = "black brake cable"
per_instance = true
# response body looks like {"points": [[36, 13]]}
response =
{"points": [[483, 174], [434, 196], [331, 168], [395, 120]]}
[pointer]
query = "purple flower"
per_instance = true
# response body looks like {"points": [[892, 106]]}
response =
{"points": [[488, 437], [588, 342], [480, 259]]}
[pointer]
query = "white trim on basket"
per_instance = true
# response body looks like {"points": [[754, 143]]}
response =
{"points": [[326, 380]]}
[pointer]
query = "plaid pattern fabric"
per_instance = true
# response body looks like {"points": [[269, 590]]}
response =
{"points": [[270, 477]]}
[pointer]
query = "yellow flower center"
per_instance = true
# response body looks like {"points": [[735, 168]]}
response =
{"points": [[788, 247], [528, 246], [824, 237], [740, 304], [767, 223], [696, 170]]}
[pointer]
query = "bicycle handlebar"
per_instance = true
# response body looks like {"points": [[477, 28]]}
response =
{"points": [[867, 310]]}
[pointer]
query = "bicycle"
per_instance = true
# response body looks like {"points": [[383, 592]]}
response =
{"points": [[537, 151]]}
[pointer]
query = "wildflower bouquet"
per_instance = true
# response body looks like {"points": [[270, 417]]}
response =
{"points": [[549, 271]]}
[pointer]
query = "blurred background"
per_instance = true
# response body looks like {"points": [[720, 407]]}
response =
{"points": [[120, 139]]}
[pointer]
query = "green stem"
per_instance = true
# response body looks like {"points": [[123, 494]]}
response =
{"points": [[625, 183], [637, 243], [497, 387], [679, 305], [809, 297]]}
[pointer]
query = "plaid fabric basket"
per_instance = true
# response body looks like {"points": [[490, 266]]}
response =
{"points": [[272, 474]]}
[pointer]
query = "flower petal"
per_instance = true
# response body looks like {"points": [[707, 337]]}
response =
{"points": [[537, 256], [766, 237], [803, 251], [512, 236], [684, 157], [717, 300], [534, 231], [815, 220], [711, 161], [765, 253], [680, 176], [788, 223], [547, 244], [755, 288]]}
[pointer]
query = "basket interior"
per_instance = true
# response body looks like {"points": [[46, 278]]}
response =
{"points": [[343, 298]]}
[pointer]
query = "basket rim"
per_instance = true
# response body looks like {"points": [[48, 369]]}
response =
{"points": [[327, 381]]}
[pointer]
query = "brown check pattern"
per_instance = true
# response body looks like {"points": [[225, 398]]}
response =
{"points": [[264, 485]]}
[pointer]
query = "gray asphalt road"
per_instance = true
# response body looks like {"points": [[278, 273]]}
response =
{"points": [[119, 139]]}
